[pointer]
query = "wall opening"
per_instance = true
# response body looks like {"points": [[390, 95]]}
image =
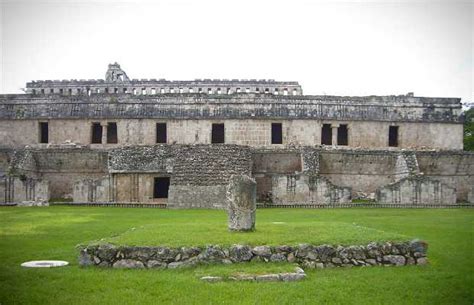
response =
{"points": [[96, 133], [393, 136], [277, 134], [342, 135], [161, 136], [44, 132], [112, 137], [326, 134], [217, 135], [161, 187]]}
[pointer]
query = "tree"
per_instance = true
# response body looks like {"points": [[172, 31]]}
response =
{"points": [[469, 129]]}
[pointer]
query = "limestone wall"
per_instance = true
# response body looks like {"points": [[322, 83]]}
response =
{"points": [[455, 169], [363, 171], [416, 190], [251, 132], [22, 189], [199, 173], [470, 196], [305, 189], [92, 190]]}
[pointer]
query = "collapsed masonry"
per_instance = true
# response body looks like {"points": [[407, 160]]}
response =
{"points": [[197, 176]]}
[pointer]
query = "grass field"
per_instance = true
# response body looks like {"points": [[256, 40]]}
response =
{"points": [[53, 233]]}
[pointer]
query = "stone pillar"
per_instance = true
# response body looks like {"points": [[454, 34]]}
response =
{"points": [[241, 203], [334, 133], [104, 133]]}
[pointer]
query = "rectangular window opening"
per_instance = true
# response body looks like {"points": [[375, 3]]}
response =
{"points": [[161, 187], [326, 134], [342, 135], [44, 132], [217, 135], [161, 136], [393, 136], [277, 135], [96, 133], [112, 133]]}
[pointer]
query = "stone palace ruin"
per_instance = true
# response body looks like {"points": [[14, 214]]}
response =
{"points": [[177, 143]]}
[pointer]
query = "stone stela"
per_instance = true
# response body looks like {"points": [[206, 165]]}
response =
{"points": [[241, 207]]}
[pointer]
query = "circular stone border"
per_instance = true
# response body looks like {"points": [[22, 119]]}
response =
{"points": [[44, 264]]}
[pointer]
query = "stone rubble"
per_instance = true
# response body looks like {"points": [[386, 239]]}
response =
{"points": [[298, 275]]}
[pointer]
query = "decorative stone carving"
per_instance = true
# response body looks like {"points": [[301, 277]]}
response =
{"points": [[116, 74], [241, 203]]}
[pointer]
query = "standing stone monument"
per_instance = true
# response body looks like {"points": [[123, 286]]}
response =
{"points": [[241, 203]]}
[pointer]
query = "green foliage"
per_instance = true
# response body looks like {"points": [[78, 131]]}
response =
{"points": [[469, 130], [54, 232]]}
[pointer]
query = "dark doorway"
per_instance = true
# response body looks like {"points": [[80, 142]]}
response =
{"points": [[393, 136], [96, 133], [161, 136], [44, 132], [342, 135], [112, 137], [161, 187], [326, 134], [217, 133], [277, 134]]}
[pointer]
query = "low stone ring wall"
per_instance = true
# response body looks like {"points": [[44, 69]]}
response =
{"points": [[306, 255]]}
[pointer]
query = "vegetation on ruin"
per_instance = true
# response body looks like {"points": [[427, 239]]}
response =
{"points": [[469, 129], [54, 232]]}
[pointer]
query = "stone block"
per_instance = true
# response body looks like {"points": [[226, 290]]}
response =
{"points": [[241, 203]]}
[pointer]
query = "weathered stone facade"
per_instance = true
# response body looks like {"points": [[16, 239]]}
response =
{"points": [[179, 142]]}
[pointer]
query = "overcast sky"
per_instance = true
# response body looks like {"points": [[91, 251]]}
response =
{"points": [[344, 48]]}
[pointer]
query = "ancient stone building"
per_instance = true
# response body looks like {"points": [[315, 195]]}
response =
{"points": [[178, 143]]}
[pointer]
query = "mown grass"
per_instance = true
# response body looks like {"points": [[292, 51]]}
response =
{"points": [[53, 233], [202, 227]]}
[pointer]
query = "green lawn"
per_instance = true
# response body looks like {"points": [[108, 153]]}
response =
{"points": [[53, 233]]}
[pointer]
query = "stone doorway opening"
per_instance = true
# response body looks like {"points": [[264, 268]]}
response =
{"points": [[161, 187]]}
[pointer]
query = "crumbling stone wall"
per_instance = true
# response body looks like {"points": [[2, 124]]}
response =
{"points": [[198, 173], [308, 256], [416, 190], [201, 174]]}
